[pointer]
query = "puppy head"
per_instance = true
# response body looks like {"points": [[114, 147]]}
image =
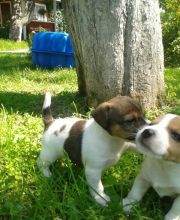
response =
{"points": [[161, 138], [120, 116]]}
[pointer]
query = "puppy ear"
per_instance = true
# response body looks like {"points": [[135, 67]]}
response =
{"points": [[101, 115]]}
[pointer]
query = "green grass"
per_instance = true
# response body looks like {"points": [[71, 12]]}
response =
{"points": [[24, 192], [172, 78], [11, 45]]}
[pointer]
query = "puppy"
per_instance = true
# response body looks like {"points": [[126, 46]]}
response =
{"points": [[96, 143], [160, 142]]}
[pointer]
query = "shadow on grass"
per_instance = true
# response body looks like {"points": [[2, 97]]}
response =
{"points": [[63, 104], [11, 61]]}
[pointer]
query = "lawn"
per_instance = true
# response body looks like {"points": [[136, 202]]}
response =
{"points": [[7, 45], [24, 192]]}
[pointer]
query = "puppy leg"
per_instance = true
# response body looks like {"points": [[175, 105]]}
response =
{"points": [[138, 190], [45, 159], [130, 146], [93, 176], [174, 212]]}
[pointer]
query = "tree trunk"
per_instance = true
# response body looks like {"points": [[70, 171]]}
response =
{"points": [[118, 48], [18, 18], [15, 28]]}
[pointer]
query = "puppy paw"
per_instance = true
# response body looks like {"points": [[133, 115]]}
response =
{"points": [[46, 172], [127, 205], [106, 197], [44, 167], [102, 200]]}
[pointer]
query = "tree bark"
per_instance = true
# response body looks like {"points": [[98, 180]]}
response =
{"points": [[118, 48], [19, 19], [15, 28]]}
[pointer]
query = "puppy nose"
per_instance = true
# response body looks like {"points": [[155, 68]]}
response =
{"points": [[147, 133]]}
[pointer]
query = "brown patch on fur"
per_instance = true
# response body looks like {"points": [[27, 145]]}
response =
{"points": [[114, 114], [73, 143], [117, 131], [47, 117], [62, 128], [48, 123], [101, 114], [174, 145]]}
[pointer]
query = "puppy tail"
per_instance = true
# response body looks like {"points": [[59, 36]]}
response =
{"points": [[46, 111]]}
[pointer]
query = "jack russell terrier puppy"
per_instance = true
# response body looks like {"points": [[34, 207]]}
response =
{"points": [[96, 143], [160, 142]]}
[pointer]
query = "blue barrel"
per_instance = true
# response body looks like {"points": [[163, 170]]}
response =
{"points": [[52, 49]]}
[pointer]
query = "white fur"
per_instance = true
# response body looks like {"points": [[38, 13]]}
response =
{"points": [[163, 176], [160, 143], [47, 100], [99, 151]]}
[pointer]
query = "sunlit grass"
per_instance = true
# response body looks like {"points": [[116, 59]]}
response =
{"points": [[24, 192], [12, 45], [172, 78]]}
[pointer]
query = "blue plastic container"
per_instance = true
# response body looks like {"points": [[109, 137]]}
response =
{"points": [[52, 49]]}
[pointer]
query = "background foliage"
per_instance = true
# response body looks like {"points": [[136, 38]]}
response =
{"points": [[4, 31], [170, 18]]}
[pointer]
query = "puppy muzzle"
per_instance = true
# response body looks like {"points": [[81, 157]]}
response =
{"points": [[147, 133]]}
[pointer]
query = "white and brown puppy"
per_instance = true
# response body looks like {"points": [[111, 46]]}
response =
{"points": [[96, 143], [160, 141]]}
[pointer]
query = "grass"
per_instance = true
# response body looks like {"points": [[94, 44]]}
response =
{"points": [[11, 45], [24, 192], [172, 78]]}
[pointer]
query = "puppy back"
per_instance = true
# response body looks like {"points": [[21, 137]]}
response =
{"points": [[46, 111]]}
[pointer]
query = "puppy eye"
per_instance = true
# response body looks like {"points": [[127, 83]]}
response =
{"points": [[175, 136], [130, 120]]}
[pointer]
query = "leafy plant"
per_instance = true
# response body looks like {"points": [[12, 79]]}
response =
{"points": [[171, 31], [42, 11], [61, 23], [30, 38], [49, 5]]}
